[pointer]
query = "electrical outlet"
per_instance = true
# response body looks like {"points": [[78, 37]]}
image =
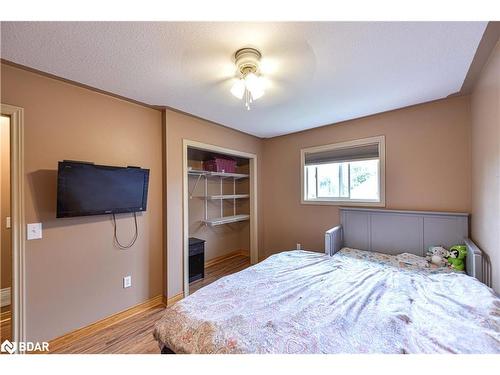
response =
{"points": [[299, 246], [34, 231], [127, 281]]}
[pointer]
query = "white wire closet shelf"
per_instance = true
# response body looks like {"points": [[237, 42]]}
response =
{"points": [[227, 196], [226, 220], [220, 196], [194, 172]]}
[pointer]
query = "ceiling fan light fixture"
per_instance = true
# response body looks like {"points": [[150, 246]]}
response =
{"points": [[249, 86], [238, 89], [254, 85]]}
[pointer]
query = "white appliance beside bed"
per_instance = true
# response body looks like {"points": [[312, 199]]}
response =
{"points": [[347, 300]]}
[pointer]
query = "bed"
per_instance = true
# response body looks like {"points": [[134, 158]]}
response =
{"points": [[347, 300]]}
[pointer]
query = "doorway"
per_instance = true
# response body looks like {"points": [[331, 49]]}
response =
{"points": [[5, 233], [220, 213], [12, 224]]}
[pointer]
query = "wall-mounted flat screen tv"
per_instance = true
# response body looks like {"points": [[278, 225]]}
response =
{"points": [[88, 189]]}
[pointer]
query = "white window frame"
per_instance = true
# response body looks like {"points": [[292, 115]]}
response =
{"points": [[380, 140]]}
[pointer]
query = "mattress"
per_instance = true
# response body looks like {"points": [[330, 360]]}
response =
{"points": [[353, 302]]}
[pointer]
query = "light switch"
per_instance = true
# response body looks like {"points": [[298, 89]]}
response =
{"points": [[7, 222], [127, 281], [34, 231]]}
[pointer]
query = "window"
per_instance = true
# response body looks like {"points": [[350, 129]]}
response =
{"points": [[345, 173]]}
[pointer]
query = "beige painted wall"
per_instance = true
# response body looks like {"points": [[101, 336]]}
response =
{"points": [[74, 274], [5, 233], [428, 167], [485, 109], [178, 127]]}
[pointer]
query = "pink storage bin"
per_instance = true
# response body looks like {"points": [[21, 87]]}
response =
{"points": [[220, 165]]}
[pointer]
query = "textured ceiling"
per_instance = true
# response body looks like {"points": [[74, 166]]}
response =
{"points": [[318, 73]]}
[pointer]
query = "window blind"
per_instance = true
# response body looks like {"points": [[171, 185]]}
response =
{"points": [[342, 154]]}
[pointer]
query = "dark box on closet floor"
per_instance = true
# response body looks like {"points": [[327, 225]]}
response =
{"points": [[196, 259]]}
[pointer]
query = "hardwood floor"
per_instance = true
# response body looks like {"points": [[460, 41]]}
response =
{"points": [[130, 336], [5, 327], [134, 334], [216, 271]]}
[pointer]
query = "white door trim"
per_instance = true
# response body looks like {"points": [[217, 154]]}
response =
{"points": [[18, 294], [254, 240]]}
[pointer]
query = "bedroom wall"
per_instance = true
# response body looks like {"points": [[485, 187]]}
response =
{"points": [[428, 167], [74, 273], [180, 126], [485, 109], [5, 237]]}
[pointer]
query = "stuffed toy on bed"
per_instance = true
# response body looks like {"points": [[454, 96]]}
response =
{"points": [[456, 257], [437, 255]]}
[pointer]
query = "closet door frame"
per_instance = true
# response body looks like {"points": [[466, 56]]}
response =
{"points": [[254, 235]]}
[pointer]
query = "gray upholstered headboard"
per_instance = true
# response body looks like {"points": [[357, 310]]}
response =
{"points": [[396, 231]]}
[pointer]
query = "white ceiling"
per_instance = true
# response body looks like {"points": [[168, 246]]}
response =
{"points": [[318, 72]]}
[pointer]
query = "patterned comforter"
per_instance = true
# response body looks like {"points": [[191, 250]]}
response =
{"points": [[353, 302]]}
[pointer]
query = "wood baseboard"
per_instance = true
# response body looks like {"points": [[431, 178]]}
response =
{"points": [[170, 301], [104, 323], [222, 258]]}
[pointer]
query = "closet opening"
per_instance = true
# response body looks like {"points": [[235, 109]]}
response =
{"points": [[220, 213]]}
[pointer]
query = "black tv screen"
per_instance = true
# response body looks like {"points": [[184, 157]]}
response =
{"points": [[88, 189]]}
